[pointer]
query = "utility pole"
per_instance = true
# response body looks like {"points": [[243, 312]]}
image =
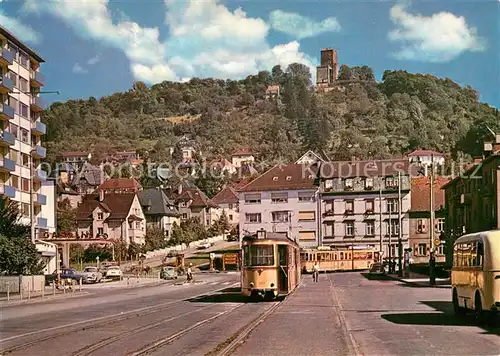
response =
{"points": [[400, 229], [390, 240], [381, 223], [432, 261]]}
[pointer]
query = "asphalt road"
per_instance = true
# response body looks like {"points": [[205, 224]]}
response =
{"points": [[343, 314]]}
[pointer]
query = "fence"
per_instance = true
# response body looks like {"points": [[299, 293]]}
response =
{"points": [[18, 284]]}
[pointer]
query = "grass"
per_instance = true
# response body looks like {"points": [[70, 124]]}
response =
{"points": [[196, 261]]}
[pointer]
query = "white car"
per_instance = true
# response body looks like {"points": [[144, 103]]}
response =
{"points": [[92, 275], [114, 272]]}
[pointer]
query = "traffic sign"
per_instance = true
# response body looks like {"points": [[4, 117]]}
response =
{"points": [[212, 256], [437, 242]]}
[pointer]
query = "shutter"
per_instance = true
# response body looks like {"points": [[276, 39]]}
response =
{"points": [[306, 215], [307, 235]]}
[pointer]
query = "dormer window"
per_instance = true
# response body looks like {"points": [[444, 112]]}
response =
{"points": [[275, 179], [288, 178], [100, 216]]}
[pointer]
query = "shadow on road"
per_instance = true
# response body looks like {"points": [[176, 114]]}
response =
{"points": [[228, 295], [376, 277], [445, 318]]}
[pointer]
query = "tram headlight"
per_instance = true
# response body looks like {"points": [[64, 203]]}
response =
{"points": [[251, 284], [272, 285]]}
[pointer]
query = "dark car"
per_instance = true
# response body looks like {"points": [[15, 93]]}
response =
{"points": [[377, 268], [69, 274]]}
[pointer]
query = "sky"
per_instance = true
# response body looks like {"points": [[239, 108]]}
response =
{"points": [[98, 47]]}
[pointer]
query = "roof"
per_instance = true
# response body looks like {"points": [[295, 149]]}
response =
{"points": [[369, 168], [470, 170], [425, 153], [117, 204], [420, 193], [20, 44], [155, 202], [197, 197], [242, 152], [227, 195], [94, 175], [311, 153], [287, 177], [120, 183]]}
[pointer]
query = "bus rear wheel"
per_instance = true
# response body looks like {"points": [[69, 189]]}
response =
{"points": [[456, 306]]}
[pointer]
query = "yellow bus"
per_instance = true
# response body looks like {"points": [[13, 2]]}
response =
{"points": [[475, 275]]}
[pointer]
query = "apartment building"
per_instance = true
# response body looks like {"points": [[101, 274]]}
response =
{"points": [[360, 204], [21, 130], [281, 200], [227, 201]]}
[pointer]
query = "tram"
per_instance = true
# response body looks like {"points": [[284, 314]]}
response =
{"points": [[271, 265], [331, 259]]}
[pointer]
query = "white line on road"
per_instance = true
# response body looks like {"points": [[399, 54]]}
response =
{"points": [[106, 317]]}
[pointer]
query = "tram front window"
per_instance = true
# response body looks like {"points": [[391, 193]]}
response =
{"points": [[256, 255]]}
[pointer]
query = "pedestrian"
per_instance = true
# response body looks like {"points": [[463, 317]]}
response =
{"points": [[315, 272], [189, 273]]}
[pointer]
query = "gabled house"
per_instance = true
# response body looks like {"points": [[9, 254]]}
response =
{"points": [[120, 185], [76, 159], [88, 179], [228, 202], [310, 157], [193, 203], [242, 156], [113, 216], [160, 211]]}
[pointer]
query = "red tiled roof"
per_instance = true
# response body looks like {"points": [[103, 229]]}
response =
{"points": [[287, 177], [120, 183], [74, 154], [425, 153], [371, 168], [197, 197], [420, 193], [226, 196], [117, 204], [242, 152]]}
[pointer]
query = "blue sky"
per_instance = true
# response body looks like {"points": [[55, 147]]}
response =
{"points": [[95, 48]]}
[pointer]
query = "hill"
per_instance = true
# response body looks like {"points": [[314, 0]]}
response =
{"points": [[360, 117]]}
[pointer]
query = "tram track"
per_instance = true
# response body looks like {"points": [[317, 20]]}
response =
{"points": [[97, 322]]}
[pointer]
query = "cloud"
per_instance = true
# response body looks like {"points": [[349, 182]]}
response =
{"points": [[94, 60], [24, 32], [78, 69], [441, 37], [206, 39], [300, 26]]}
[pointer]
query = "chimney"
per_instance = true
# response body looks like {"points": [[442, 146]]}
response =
{"points": [[101, 195]]}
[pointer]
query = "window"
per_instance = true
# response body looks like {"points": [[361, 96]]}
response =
{"points": [[393, 227], [280, 216], [329, 229], [253, 217], [184, 215], [23, 85], [230, 217], [440, 225], [440, 250], [328, 184], [23, 110], [391, 182], [13, 103], [230, 206], [14, 181], [14, 130], [279, 197], [256, 255], [349, 228], [369, 183], [348, 183], [370, 228], [25, 184], [329, 207], [421, 226], [13, 77], [421, 250], [306, 197], [24, 136], [349, 206], [307, 235], [100, 231], [24, 59], [252, 198], [392, 205], [307, 216], [130, 226], [137, 224], [25, 209], [100, 216], [25, 160], [370, 206]]}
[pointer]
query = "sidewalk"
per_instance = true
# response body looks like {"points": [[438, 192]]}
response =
{"points": [[421, 280]]}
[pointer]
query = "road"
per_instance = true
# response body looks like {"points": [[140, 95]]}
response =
{"points": [[343, 314]]}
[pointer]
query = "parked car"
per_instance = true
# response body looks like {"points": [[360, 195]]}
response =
{"points": [[377, 268], [92, 275], [114, 272], [168, 272], [204, 246], [67, 274]]}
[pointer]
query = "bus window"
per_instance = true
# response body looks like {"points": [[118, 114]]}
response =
{"points": [[480, 254], [335, 256], [341, 255]]}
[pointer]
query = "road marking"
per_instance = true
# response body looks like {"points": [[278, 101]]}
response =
{"points": [[106, 317]]}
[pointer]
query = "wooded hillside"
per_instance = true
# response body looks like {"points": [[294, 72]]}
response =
{"points": [[360, 117]]}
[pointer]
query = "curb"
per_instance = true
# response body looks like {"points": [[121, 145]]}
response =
{"points": [[6, 303], [417, 284]]}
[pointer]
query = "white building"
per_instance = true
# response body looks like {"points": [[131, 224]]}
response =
{"points": [[425, 158], [241, 157], [227, 201], [21, 151], [310, 157], [48, 253], [282, 199]]}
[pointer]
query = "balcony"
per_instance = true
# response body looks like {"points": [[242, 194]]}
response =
{"points": [[6, 112], [7, 139], [7, 57], [7, 165], [37, 104], [6, 85], [38, 128], [39, 199], [37, 79], [41, 223], [39, 152], [7, 191], [40, 175]]}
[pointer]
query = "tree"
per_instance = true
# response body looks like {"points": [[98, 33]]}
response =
{"points": [[18, 255], [155, 239], [66, 217], [211, 181]]}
